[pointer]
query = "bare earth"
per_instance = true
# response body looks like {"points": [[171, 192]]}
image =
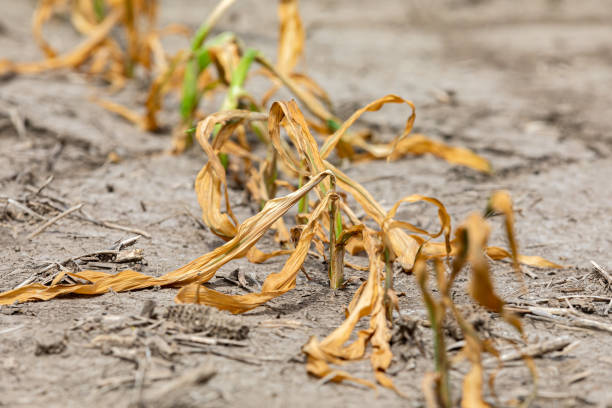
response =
{"points": [[524, 83]]}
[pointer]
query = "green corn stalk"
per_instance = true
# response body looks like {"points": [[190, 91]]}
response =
{"points": [[303, 203], [200, 60], [436, 311], [336, 249], [236, 89], [99, 9], [205, 28], [388, 285]]}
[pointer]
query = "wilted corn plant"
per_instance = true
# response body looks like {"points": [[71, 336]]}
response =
{"points": [[209, 65], [328, 220], [345, 232], [106, 56]]}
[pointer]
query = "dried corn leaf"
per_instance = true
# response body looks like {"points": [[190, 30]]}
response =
{"points": [[43, 12], [445, 220], [472, 389], [403, 246], [200, 270], [275, 284], [497, 253], [211, 184], [72, 59], [291, 36], [419, 144], [366, 301], [403, 144], [354, 139]]}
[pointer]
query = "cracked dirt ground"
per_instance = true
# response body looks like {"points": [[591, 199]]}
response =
{"points": [[526, 84]]}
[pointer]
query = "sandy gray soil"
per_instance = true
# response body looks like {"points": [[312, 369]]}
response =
{"points": [[530, 84]]}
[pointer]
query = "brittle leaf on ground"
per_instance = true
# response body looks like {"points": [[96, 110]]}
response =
{"points": [[366, 301], [201, 269], [275, 284]]}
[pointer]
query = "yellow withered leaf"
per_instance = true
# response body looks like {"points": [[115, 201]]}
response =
{"points": [[472, 389], [497, 253], [501, 202], [291, 36], [275, 284], [72, 59], [368, 300], [403, 144], [159, 87], [403, 246], [43, 12], [419, 144], [354, 139], [445, 220], [211, 185]]}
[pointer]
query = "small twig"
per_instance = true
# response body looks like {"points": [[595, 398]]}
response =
{"points": [[87, 217], [119, 245], [608, 307], [602, 272], [11, 329], [43, 186], [198, 221], [26, 209], [26, 282], [236, 357], [571, 317], [114, 382], [111, 225], [54, 220], [569, 304], [16, 120], [534, 350], [579, 376], [209, 341]]}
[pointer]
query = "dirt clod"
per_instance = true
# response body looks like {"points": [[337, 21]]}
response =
{"points": [[52, 345]]}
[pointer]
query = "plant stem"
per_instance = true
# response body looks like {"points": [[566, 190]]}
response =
{"points": [[238, 77], [303, 203], [388, 285], [205, 27], [270, 174], [99, 9], [441, 363], [436, 311], [236, 89], [336, 250]]}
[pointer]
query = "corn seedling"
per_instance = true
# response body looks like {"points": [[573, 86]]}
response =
{"points": [[191, 73], [389, 242], [297, 161]]}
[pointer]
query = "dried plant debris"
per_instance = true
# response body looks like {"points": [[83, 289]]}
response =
{"points": [[100, 52], [206, 321], [209, 66], [325, 221], [51, 344], [295, 156]]}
